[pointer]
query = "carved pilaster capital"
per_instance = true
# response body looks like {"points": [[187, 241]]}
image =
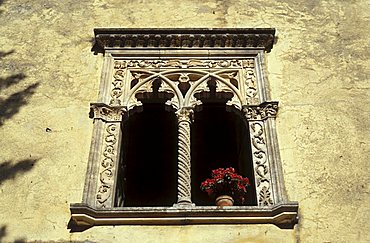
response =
{"points": [[106, 112], [262, 111], [185, 114]]}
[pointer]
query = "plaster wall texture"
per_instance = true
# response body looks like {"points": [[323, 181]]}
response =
{"points": [[318, 70]]}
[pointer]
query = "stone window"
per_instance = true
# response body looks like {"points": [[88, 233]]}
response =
{"points": [[174, 104]]}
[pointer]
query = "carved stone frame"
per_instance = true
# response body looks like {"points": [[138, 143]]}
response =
{"points": [[133, 59]]}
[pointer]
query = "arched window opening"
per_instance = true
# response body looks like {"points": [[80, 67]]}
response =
{"points": [[220, 138], [148, 171]]}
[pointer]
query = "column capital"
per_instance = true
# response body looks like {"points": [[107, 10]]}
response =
{"points": [[262, 111], [185, 114], [106, 112]]}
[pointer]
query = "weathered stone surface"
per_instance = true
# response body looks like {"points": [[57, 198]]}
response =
{"points": [[318, 70]]}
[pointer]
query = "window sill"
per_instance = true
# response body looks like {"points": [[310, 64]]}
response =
{"points": [[284, 215]]}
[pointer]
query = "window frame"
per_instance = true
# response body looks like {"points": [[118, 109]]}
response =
{"points": [[239, 49]]}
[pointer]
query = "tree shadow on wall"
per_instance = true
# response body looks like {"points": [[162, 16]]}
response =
{"points": [[10, 105], [3, 234], [1, 11], [9, 170], [4, 54]]}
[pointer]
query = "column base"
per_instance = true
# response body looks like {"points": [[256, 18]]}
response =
{"points": [[184, 203]]}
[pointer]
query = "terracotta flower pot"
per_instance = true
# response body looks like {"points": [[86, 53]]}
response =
{"points": [[224, 200]]}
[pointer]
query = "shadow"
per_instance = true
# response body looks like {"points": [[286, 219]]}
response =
{"points": [[11, 80], [1, 11], [11, 105], [8, 170], [4, 54], [73, 227], [3, 234], [95, 47]]}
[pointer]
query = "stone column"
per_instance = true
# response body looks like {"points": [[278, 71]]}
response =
{"points": [[184, 117]]}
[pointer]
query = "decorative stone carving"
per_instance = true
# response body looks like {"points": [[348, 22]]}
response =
{"points": [[140, 56], [262, 111], [184, 117], [229, 75], [117, 85], [106, 174], [106, 112], [184, 38], [260, 164], [184, 63], [226, 81], [251, 86]]}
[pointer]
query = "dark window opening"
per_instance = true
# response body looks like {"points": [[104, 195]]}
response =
{"points": [[148, 168], [219, 138]]}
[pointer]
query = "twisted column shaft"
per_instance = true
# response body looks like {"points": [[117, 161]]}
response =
{"points": [[184, 179]]}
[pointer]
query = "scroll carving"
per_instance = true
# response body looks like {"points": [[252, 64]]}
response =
{"points": [[251, 85], [106, 174], [117, 85], [260, 164], [184, 190]]}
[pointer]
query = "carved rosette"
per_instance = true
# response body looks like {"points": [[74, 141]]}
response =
{"points": [[260, 164], [107, 167], [262, 111], [184, 117]]}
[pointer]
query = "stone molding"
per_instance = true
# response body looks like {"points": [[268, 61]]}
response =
{"points": [[131, 38], [283, 215]]}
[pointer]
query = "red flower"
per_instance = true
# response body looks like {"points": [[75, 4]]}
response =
{"points": [[226, 182]]}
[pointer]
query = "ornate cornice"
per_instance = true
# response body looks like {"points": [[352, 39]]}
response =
{"points": [[262, 111], [235, 38], [106, 112]]}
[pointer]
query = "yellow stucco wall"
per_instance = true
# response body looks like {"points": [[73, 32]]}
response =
{"points": [[318, 70]]}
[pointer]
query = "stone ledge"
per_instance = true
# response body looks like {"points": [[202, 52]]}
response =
{"points": [[234, 38], [284, 215]]}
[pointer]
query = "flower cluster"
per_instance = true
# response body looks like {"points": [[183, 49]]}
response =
{"points": [[226, 182]]}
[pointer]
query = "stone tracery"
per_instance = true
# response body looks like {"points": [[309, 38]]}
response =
{"points": [[236, 77]]}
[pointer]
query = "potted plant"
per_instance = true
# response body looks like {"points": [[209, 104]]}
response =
{"points": [[226, 186]]}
